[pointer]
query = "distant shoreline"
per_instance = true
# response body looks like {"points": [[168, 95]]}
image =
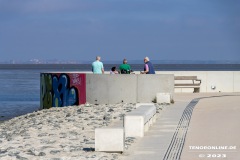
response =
{"points": [[135, 67]]}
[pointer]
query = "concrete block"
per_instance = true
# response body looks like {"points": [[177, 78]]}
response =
{"points": [[138, 121], [146, 127], [134, 125], [109, 139], [163, 98], [150, 122]]}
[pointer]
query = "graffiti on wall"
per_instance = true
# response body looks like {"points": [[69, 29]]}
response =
{"points": [[62, 89], [46, 91]]}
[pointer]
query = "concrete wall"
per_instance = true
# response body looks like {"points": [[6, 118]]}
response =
{"points": [[108, 89], [63, 89], [126, 88], [72, 88], [224, 81], [149, 85]]}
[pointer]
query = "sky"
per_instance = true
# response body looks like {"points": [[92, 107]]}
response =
{"points": [[117, 29]]}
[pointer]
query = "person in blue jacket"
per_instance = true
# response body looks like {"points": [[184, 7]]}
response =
{"points": [[148, 67]]}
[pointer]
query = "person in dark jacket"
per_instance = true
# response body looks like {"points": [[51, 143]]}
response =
{"points": [[148, 67]]}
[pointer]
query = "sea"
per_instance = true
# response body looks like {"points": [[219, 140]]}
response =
{"points": [[20, 83]]}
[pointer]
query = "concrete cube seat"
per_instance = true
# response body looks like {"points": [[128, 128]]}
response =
{"points": [[109, 139], [164, 98]]}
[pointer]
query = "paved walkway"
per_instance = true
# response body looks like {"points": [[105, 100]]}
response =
{"points": [[194, 120], [214, 131]]}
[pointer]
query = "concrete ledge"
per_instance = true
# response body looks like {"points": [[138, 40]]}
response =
{"points": [[138, 121], [109, 139], [141, 104]]}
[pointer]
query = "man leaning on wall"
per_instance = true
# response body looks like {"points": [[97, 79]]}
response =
{"points": [[148, 67], [97, 66]]}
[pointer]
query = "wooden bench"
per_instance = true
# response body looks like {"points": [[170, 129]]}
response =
{"points": [[189, 82]]}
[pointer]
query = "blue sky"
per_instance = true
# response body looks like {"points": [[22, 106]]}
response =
{"points": [[117, 29]]}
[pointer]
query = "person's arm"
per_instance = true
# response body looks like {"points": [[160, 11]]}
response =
{"points": [[102, 69], [146, 71], [129, 67]]}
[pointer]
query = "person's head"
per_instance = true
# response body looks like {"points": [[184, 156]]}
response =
{"points": [[113, 69], [124, 61], [98, 58], [146, 59]]}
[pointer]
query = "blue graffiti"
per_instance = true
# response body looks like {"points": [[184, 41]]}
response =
{"points": [[63, 94]]}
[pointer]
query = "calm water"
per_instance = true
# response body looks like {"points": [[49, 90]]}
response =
{"points": [[20, 84], [19, 92]]}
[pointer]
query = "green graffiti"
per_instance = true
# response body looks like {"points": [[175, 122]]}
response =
{"points": [[56, 102], [46, 91]]}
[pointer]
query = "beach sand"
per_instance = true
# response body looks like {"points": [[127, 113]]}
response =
{"points": [[65, 133]]}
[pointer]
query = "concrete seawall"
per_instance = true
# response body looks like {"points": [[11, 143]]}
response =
{"points": [[73, 88], [221, 81], [127, 88]]}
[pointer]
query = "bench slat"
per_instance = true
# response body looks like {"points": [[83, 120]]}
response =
{"points": [[187, 84], [185, 78], [191, 84]]}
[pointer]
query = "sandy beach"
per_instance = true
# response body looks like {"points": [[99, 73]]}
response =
{"points": [[61, 133]]}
